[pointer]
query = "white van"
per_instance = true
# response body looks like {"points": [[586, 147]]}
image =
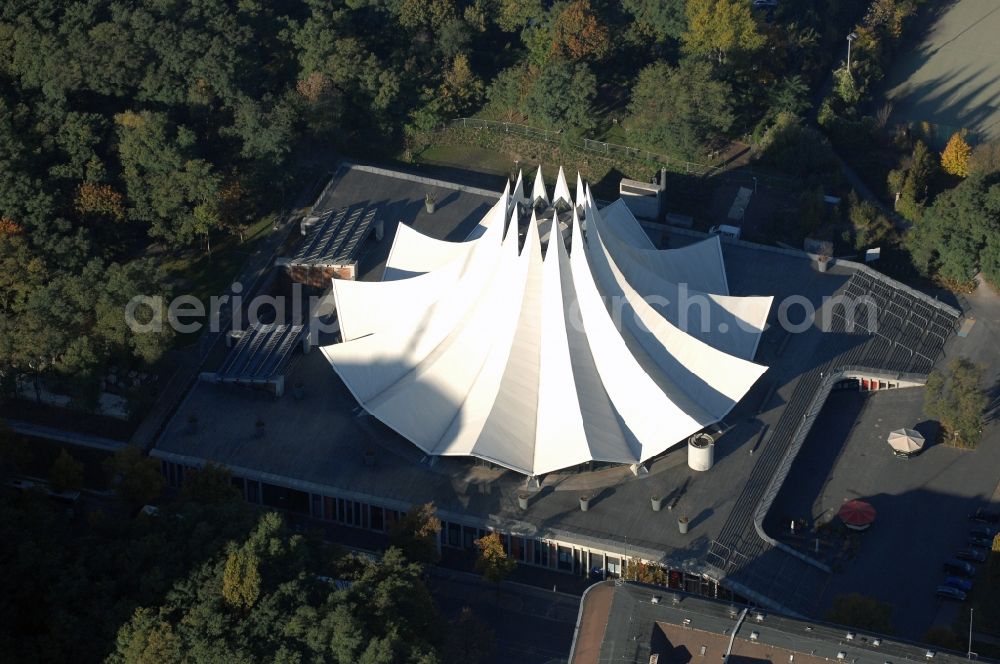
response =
{"points": [[728, 231]]}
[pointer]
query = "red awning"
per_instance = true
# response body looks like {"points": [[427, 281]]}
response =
{"points": [[857, 513]]}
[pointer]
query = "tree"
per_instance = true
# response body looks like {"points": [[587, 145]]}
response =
{"points": [[506, 93], [512, 15], [14, 454], [846, 87], [469, 640], [790, 95], [956, 399], [461, 90], [241, 579], [870, 226], [416, 534], [267, 598], [679, 109], [956, 156], [212, 483], [911, 184], [66, 473], [659, 20], [100, 201], [720, 29], [985, 158], [862, 612], [577, 32], [959, 235], [136, 477], [493, 562], [561, 96], [799, 151]]}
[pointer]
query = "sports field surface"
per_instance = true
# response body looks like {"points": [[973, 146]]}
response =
{"points": [[951, 78]]}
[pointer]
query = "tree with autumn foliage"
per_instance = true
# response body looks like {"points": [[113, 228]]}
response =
{"points": [[493, 562], [99, 200], [578, 32], [416, 534], [461, 90], [720, 29], [955, 158], [9, 227]]}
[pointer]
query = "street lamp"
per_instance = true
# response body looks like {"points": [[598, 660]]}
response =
{"points": [[850, 38]]}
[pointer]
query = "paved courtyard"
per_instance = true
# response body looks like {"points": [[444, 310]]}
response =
{"points": [[922, 503], [952, 78]]}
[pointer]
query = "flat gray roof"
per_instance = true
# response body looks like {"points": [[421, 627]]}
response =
{"points": [[317, 443]]}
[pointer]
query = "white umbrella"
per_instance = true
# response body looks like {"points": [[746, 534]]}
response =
{"points": [[906, 441]]}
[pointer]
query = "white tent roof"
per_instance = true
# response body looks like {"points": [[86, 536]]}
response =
{"points": [[562, 190], [518, 195], [538, 192], [505, 355], [700, 265], [731, 324]]}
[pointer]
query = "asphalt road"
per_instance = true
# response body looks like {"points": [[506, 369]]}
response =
{"points": [[532, 625]]}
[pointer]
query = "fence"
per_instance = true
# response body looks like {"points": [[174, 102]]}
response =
{"points": [[588, 144]]}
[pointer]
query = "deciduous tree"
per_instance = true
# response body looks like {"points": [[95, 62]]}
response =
{"points": [[956, 155], [493, 562], [720, 29], [136, 477], [66, 473], [956, 399], [416, 534], [679, 109]]}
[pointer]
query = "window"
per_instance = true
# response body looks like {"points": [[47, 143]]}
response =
{"points": [[517, 548], [329, 508], [614, 566], [377, 520], [454, 535], [468, 535], [565, 558], [542, 554], [316, 505], [253, 491]]}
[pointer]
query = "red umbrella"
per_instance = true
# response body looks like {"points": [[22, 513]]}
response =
{"points": [[857, 514]]}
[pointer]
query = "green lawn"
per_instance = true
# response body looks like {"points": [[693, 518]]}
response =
{"points": [[469, 157]]}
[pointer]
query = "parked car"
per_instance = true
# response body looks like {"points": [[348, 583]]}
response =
{"points": [[765, 3], [983, 531], [958, 568], [965, 585], [981, 542], [985, 516], [947, 592], [972, 555], [726, 230]]}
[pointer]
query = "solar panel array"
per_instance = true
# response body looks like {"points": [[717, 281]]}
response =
{"points": [[336, 237], [910, 332], [262, 353], [903, 333]]}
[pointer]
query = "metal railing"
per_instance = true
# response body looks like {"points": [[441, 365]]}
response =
{"points": [[588, 144]]}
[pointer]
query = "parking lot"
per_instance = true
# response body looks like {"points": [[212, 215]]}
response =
{"points": [[923, 503]]}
